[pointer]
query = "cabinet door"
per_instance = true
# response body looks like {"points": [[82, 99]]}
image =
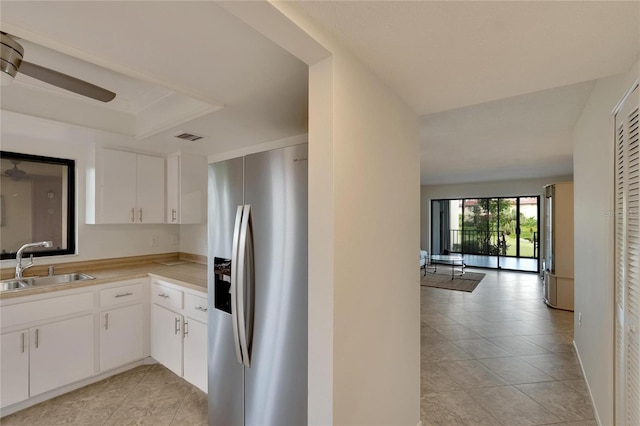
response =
{"points": [[166, 338], [193, 188], [61, 353], [118, 186], [121, 336], [195, 353], [14, 370], [150, 189], [173, 189]]}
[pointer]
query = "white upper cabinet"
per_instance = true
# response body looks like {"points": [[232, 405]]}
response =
{"points": [[150, 189], [126, 187], [186, 188]]}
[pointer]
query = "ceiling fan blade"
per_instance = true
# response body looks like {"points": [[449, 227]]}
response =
{"points": [[66, 82]]}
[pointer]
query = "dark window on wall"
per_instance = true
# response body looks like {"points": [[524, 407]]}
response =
{"points": [[37, 203]]}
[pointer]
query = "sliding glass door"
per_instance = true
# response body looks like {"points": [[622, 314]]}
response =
{"points": [[498, 232]]}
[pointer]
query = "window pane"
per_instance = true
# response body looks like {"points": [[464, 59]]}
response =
{"points": [[36, 203]]}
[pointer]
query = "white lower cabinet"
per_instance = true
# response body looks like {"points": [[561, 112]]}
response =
{"points": [[50, 341], [121, 336], [50, 353], [195, 353], [179, 332], [14, 359], [60, 353], [166, 338]]}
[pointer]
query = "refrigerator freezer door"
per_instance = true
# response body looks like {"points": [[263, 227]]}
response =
{"points": [[276, 382], [226, 376]]}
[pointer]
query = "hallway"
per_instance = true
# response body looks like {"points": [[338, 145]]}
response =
{"points": [[499, 356]]}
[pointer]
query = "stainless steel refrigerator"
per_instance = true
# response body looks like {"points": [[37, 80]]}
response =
{"points": [[257, 282]]}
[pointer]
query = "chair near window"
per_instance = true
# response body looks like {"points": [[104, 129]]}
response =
{"points": [[424, 260]]}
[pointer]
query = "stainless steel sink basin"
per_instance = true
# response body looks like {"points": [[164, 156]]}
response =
{"points": [[58, 279], [12, 285], [30, 282]]}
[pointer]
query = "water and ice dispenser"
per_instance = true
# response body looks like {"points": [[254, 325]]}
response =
{"points": [[222, 284]]}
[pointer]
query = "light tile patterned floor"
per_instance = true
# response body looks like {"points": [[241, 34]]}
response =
{"points": [[499, 356], [146, 395]]}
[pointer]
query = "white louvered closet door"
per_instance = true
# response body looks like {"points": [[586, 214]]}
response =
{"points": [[627, 260]]}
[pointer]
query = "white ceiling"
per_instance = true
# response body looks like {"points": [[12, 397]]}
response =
{"points": [[527, 136], [148, 51], [494, 82], [497, 84]]}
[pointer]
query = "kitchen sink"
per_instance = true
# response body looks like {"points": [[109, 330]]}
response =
{"points": [[59, 279], [30, 282], [12, 285]]}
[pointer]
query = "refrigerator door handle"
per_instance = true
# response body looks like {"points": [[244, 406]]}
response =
{"points": [[234, 283], [245, 270]]}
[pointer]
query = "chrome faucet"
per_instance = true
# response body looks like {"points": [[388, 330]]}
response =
{"points": [[19, 268]]}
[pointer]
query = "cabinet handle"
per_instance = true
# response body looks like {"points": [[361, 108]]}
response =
{"points": [[133, 218], [140, 215], [177, 322], [186, 328], [106, 321], [164, 296], [23, 345], [201, 309], [37, 338], [124, 295], [173, 215]]}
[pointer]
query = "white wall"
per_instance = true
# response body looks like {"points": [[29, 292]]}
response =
{"points": [[32, 135], [376, 251], [593, 226], [364, 319], [509, 188]]}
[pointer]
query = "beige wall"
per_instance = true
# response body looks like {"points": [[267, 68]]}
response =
{"points": [[364, 298], [593, 225], [376, 285]]}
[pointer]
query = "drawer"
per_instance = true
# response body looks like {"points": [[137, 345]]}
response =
{"points": [[196, 307], [44, 309], [167, 297], [123, 294]]}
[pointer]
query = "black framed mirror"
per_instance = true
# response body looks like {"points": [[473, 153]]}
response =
{"points": [[37, 203]]}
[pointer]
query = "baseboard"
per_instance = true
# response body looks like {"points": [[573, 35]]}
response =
{"points": [[595, 409]]}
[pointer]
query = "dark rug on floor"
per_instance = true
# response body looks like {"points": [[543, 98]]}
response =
{"points": [[466, 282]]}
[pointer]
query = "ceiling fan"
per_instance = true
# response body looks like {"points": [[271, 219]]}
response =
{"points": [[11, 53], [15, 173]]}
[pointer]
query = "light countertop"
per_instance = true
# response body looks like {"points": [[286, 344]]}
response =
{"points": [[188, 274]]}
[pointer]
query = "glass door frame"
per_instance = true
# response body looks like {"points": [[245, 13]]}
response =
{"points": [[518, 227]]}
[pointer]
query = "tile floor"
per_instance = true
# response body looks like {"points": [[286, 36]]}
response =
{"points": [[499, 356], [146, 395]]}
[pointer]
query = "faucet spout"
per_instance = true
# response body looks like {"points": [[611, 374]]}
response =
{"points": [[19, 267]]}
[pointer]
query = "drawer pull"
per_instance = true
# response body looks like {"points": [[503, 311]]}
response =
{"points": [[186, 329], [164, 296], [123, 295], [37, 338], [177, 325], [106, 321], [23, 336], [201, 309]]}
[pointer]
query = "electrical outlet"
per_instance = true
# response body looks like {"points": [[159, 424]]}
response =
{"points": [[175, 240], [154, 241], [580, 319]]}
